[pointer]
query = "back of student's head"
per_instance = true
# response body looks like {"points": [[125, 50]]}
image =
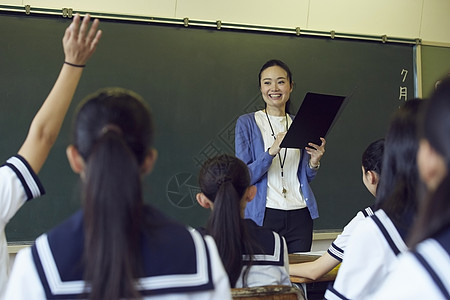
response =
{"points": [[113, 133], [399, 182], [223, 173], [372, 157], [372, 160], [224, 179], [434, 214]]}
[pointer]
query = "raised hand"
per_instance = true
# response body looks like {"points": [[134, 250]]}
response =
{"points": [[80, 43]]}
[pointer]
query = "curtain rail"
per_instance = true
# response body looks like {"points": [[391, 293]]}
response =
{"points": [[186, 22]]}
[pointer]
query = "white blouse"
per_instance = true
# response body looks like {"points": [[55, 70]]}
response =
{"points": [[293, 198]]}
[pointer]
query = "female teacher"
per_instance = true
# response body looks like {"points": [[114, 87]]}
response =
{"points": [[284, 201]]}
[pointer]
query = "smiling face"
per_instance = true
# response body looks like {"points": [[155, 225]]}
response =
{"points": [[276, 89]]}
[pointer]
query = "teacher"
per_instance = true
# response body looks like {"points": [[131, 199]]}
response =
{"points": [[284, 201]]}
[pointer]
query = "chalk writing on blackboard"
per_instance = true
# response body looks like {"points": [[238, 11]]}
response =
{"points": [[403, 94]]}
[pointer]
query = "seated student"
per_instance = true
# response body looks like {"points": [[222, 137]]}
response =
{"points": [[18, 180], [252, 255], [372, 159], [423, 273], [117, 247], [373, 247]]}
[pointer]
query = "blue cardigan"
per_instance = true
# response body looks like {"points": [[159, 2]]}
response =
{"points": [[249, 147]]}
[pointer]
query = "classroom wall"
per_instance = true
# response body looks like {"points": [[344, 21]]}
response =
{"points": [[425, 19], [435, 65]]}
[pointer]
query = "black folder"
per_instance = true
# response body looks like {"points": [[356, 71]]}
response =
{"points": [[314, 119]]}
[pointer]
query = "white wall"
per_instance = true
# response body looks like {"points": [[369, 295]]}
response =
{"points": [[425, 19]]}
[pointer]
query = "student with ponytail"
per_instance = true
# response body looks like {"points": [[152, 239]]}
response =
{"points": [[117, 247], [252, 255]]}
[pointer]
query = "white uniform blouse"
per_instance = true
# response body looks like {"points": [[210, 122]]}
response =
{"points": [[420, 274], [338, 246], [370, 256], [49, 268], [18, 183]]}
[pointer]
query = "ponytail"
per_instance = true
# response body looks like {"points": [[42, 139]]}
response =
{"points": [[113, 133], [113, 205], [224, 180], [225, 226]]}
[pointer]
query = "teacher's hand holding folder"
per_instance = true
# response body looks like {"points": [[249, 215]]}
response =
{"points": [[316, 152]]}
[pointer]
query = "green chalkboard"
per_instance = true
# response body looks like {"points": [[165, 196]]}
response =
{"points": [[198, 81]]}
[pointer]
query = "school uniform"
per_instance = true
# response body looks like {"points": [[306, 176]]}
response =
{"points": [[420, 274], [337, 247], [177, 263], [18, 184], [371, 254], [270, 265]]}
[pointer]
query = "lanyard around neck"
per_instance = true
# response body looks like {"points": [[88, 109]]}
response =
{"points": [[273, 134]]}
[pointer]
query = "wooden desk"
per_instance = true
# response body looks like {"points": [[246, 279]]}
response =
{"points": [[301, 258]]}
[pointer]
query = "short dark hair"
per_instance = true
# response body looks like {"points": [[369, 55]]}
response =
{"points": [[372, 158]]}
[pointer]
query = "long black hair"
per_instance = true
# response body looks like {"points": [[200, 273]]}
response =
{"points": [[223, 180], [399, 181], [278, 63], [113, 133], [434, 215]]}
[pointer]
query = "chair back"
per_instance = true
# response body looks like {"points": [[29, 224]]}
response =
{"points": [[269, 292]]}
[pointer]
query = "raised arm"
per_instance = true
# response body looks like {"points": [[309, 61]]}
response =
{"points": [[79, 43]]}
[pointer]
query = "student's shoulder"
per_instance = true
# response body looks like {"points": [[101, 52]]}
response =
{"points": [[360, 216], [17, 167], [368, 211], [379, 231]]}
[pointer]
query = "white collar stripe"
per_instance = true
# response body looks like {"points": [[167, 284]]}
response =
{"points": [[29, 180], [389, 231], [437, 267], [56, 285], [368, 212]]}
